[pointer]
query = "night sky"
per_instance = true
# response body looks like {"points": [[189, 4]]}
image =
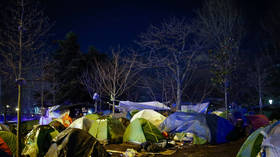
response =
{"points": [[108, 23]]}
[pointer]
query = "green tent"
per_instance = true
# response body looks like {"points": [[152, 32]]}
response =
{"points": [[252, 145], [38, 141], [10, 139], [92, 116], [107, 130], [140, 131]]}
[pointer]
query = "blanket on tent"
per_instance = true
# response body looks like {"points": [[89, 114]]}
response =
{"points": [[129, 105]]}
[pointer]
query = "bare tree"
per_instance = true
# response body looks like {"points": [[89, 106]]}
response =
{"points": [[116, 76], [219, 22], [23, 32], [172, 45], [90, 81], [258, 77]]}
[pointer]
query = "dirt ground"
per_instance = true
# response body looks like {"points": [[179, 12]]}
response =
{"points": [[222, 150]]}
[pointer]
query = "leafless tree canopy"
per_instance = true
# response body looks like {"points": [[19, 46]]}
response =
{"points": [[172, 46]]}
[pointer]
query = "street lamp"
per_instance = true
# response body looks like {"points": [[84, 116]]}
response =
{"points": [[17, 109], [270, 101]]}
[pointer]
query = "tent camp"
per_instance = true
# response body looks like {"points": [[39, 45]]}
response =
{"points": [[107, 130], [75, 143], [38, 141], [140, 131], [7, 143], [129, 105], [206, 128], [263, 142], [152, 116]]}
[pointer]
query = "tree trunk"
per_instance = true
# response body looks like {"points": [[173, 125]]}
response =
{"points": [[18, 122], [226, 101], [114, 106], [179, 93]]}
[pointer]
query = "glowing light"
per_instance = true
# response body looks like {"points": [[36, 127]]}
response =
{"points": [[270, 101], [17, 109], [89, 111], [7, 106]]}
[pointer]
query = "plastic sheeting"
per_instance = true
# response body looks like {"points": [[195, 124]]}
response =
{"points": [[129, 105], [188, 123], [197, 108], [39, 140], [76, 143]]}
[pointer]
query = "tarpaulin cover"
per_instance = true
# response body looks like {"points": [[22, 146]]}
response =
{"points": [[76, 143], [140, 131], [128, 105], [219, 127], [10, 139], [188, 123], [198, 108], [152, 116], [258, 121], [38, 141]]}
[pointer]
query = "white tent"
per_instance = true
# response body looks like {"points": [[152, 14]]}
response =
{"points": [[150, 115]]}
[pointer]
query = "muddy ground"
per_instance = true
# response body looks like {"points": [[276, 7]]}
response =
{"points": [[187, 150]]}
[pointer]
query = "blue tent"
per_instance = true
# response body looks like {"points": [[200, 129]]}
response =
{"points": [[213, 128], [219, 127], [179, 122]]}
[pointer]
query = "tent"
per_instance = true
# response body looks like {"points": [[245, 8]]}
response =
{"points": [[75, 143], [182, 122], [220, 128], [38, 141], [57, 125], [258, 121], [82, 123], [129, 105], [209, 127], [140, 131], [265, 141], [4, 127], [271, 142], [7, 143], [131, 113], [152, 116], [92, 116], [107, 130]]}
